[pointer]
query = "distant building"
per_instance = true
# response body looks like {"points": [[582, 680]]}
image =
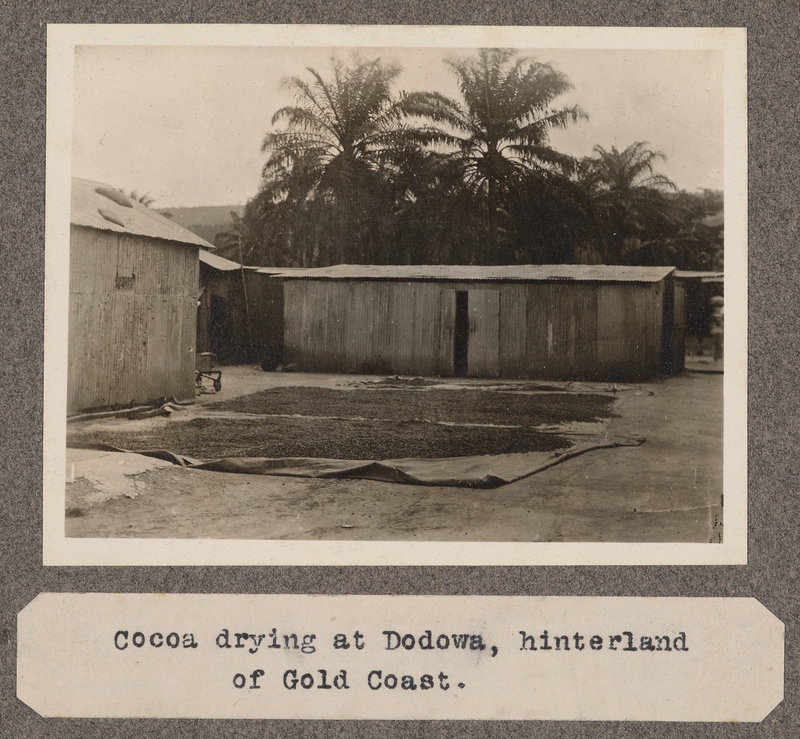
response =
{"points": [[240, 316], [133, 302], [700, 287], [532, 321], [221, 315]]}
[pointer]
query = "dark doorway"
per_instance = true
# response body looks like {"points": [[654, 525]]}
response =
{"points": [[221, 329], [461, 346]]}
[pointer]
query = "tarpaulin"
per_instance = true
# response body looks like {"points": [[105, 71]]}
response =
{"points": [[473, 472]]}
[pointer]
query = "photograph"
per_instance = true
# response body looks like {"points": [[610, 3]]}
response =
{"points": [[401, 296], [370, 375]]}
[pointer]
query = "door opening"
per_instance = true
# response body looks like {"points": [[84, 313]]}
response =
{"points": [[461, 344], [221, 330]]}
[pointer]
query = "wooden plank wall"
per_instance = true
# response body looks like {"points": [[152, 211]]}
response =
{"points": [[592, 330], [483, 349], [132, 323], [548, 330], [369, 327]]}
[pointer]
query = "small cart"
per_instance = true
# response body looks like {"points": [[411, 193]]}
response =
{"points": [[203, 371]]}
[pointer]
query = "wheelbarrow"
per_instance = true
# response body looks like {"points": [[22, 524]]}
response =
{"points": [[203, 371], [214, 375]]}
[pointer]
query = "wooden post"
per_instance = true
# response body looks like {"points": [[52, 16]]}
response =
{"points": [[246, 301]]}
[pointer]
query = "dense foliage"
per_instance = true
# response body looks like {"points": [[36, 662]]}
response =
{"points": [[357, 173]]}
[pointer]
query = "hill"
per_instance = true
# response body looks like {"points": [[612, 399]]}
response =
{"points": [[206, 220]]}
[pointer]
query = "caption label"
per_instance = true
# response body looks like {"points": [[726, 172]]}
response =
{"points": [[399, 657]]}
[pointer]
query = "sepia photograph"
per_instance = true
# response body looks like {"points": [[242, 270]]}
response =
{"points": [[395, 296]]}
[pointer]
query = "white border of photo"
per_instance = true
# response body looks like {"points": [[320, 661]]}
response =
{"points": [[60, 550]]}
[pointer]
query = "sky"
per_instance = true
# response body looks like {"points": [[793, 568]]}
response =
{"points": [[185, 123]]}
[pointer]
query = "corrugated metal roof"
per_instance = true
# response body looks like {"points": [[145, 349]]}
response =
{"points": [[698, 275], [468, 273], [226, 265], [220, 263], [277, 271], [100, 206]]}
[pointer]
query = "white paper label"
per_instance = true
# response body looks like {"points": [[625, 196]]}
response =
{"points": [[399, 657]]}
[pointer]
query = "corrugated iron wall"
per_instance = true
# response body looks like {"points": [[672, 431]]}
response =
{"points": [[549, 330], [591, 330], [376, 326], [132, 323]]}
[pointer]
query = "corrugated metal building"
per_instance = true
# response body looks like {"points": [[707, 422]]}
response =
{"points": [[221, 314], [133, 302], [699, 288], [266, 295], [531, 321], [240, 318]]}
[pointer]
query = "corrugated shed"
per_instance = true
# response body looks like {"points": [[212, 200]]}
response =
{"points": [[100, 206], [133, 308], [481, 273], [548, 329], [240, 318]]}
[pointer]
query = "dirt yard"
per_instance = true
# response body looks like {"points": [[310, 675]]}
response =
{"points": [[668, 489]]}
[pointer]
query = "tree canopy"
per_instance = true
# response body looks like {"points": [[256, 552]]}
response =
{"points": [[497, 134], [329, 176], [358, 172]]}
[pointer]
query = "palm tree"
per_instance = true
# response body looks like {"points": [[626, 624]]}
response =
{"points": [[342, 140], [499, 130], [235, 242], [627, 199]]}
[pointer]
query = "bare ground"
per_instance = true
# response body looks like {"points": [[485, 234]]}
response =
{"points": [[667, 490]]}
